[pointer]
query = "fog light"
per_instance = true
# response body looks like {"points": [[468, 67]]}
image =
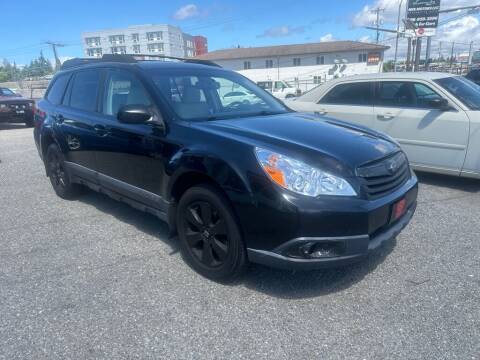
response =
{"points": [[317, 250]]}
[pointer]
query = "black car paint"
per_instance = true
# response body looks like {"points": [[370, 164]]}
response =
{"points": [[149, 165]]}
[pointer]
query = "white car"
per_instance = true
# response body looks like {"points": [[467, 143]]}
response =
{"points": [[280, 89], [240, 97], [434, 116]]}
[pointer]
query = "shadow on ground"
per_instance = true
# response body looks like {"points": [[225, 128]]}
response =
{"points": [[273, 282], [448, 181]]}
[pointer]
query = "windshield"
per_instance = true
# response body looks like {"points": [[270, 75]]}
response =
{"points": [[6, 92], [210, 95], [463, 89]]}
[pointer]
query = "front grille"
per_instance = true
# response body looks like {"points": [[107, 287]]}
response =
{"points": [[384, 176]]}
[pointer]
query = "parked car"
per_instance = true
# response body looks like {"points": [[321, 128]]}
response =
{"points": [[251, 182], [435, 117], [280, 89], [14, 108], [238, 98], [474, 75]]}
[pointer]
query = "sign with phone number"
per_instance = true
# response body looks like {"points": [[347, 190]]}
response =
{"points": [[424, 15]]}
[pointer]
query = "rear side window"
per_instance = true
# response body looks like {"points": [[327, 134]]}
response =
{"points": [[84, 91], [350, 94], [55, 94]]}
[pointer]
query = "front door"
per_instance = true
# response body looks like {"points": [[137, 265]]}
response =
{"points": [[431, 137], [130, 159]]}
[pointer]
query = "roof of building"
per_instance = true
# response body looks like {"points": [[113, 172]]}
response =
{"points": [[295, 49]]}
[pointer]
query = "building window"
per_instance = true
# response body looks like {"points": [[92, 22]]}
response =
{"points": [[92, 41], [136, 49], [116, 39], [117, 50], [297, 62], [320, 60], [247, 65], [190, 53], [269, 64], [154, 36], [135, 38], [317, 79], [189, 44], [94, 52], [155, 48], [362, 57]]}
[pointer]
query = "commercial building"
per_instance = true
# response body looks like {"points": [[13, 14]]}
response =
{"points": [[144, 39], [302, 65]]}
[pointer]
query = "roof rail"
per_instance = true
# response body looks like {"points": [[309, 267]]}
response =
{"points": [[131, 58]]}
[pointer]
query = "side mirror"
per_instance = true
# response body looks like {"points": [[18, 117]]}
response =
{"points": [[134, 114], [439, 104]]}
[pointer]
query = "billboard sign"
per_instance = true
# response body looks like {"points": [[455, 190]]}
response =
{"points": [[424, 15]]}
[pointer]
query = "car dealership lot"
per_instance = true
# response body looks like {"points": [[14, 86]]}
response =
{"points": [[94, 278]]}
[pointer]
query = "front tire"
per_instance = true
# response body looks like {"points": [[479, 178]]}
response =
{"points": [[210, 238], [58, 174]]}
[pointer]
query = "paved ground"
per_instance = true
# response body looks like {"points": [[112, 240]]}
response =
{"points": [[93, 278]]}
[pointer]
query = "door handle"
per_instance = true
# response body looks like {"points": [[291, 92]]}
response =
{"points": [[101, 130], [321, 112], [385, 116]]}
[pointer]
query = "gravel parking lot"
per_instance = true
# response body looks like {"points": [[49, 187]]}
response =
{"points": [[94, 278]]}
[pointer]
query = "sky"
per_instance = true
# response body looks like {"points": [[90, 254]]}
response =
{"points": [[28, 24]]}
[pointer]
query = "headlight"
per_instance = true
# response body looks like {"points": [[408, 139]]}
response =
{"points": [[301, 178], [2, 106]]}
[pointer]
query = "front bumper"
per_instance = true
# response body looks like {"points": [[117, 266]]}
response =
{"points": [[357, 247], [352, 232], [14, 117]]}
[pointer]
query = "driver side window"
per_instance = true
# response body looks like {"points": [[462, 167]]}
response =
{"points": [[123, 88]]}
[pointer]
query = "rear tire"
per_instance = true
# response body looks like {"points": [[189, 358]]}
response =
{"points": [[58, 174], [210, 238]]}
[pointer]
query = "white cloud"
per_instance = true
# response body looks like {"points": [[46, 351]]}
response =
{"points": [[186, 12], [365, 39], [327, 38], [282, 31]]}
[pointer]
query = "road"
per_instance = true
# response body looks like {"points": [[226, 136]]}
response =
{"points": [[93, 278]]}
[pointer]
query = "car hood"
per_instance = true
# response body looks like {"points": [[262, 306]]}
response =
{"points": [[11, 98], [317, 140]]}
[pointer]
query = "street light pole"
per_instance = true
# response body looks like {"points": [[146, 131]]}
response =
{"points": [[398, 36]]}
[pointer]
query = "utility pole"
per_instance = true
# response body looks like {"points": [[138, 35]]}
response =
{"points": [[427, 57], [470, 54], [54, 46], [418, 53], [398, 36], [377, 22], [409, 54], [451, 56]]}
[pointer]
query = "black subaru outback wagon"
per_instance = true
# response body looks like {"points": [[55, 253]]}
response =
{"points": [[238, 178]]}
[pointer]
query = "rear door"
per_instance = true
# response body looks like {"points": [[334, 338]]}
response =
{"points": [[76, 120], [351, 102], [430, 137]]}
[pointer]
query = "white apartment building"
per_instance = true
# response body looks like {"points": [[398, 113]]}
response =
{"points": [[139, 39], [302, 65]]}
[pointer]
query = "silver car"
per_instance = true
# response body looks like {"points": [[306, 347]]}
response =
{"points": [[434, 116]]}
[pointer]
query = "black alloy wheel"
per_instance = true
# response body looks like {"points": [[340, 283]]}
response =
{"points": [[209, 236], [206, 233], [58, 174]]}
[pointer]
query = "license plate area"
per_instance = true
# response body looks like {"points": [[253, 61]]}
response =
{"points": [[19, 112]]}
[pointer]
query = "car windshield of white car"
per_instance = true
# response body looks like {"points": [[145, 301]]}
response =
{"points": [[463, 89], [214, 95], [6, 92]]}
